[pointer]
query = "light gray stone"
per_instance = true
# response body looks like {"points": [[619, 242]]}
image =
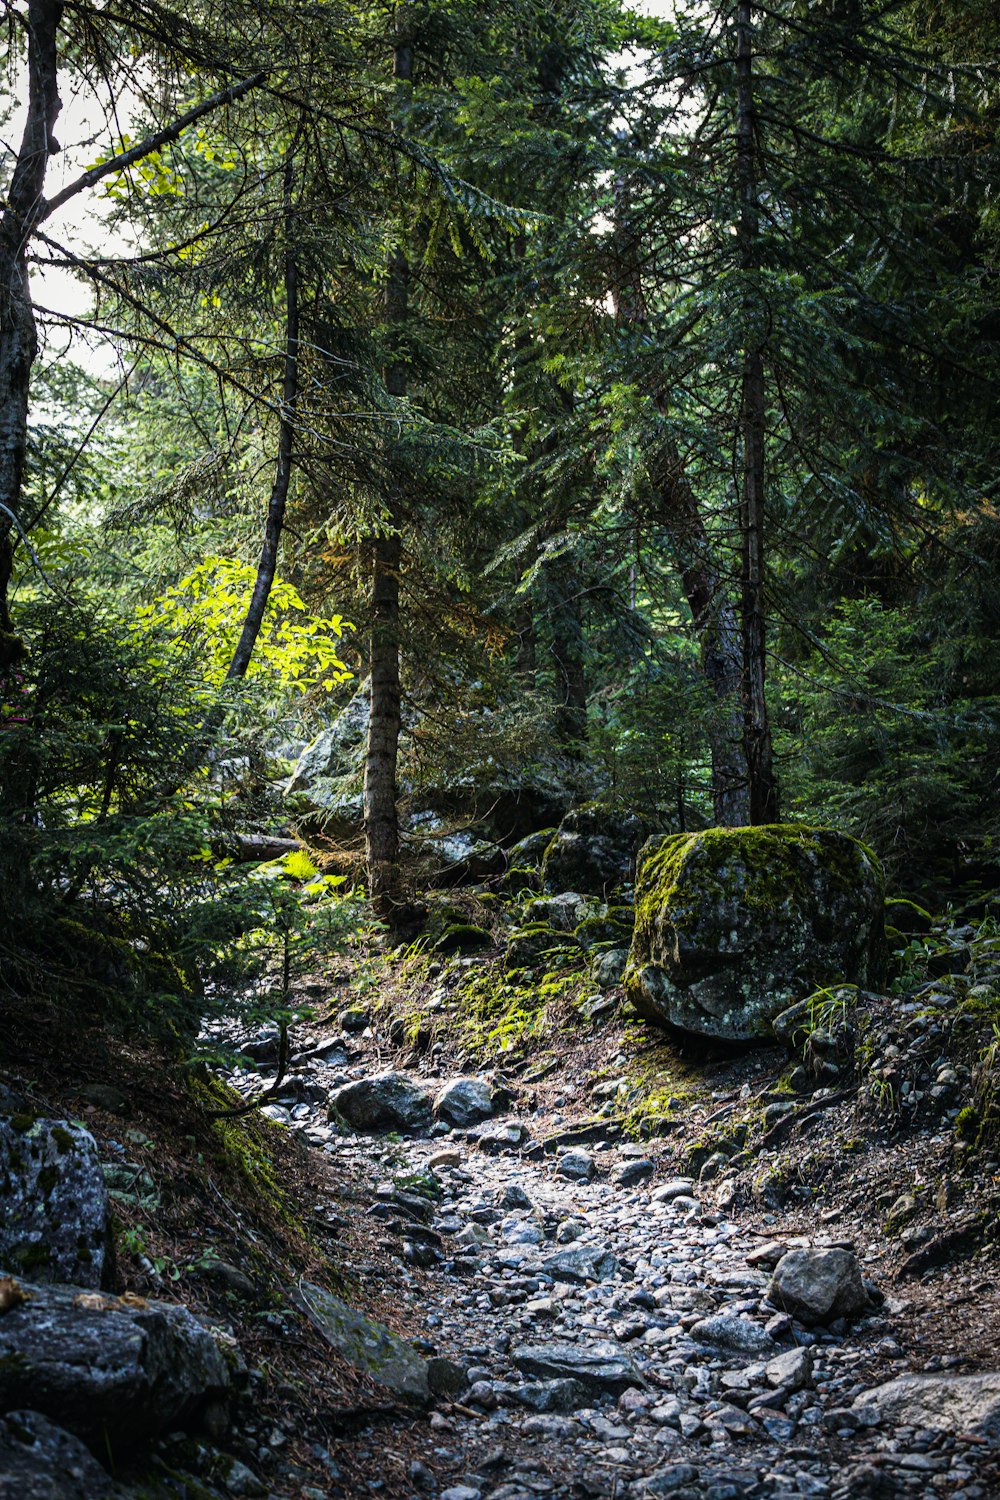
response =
{"points": [[739, 1334], [582, 1264], [577, 1166], [946, 1403], [56, 1219]]}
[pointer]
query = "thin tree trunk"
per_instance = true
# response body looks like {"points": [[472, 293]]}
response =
{"points": [[277, 504], [381, 816], [713, 611], [18, 333], [753, 416]]}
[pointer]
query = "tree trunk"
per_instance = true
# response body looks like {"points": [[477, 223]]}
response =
{"points": [[18, 333], [381, 818], [753, 417], [713, 611], [275, 519]]}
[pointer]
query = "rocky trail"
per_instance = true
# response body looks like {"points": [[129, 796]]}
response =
{"points": [[585, 1322]]}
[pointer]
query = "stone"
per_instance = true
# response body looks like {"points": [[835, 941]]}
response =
{"points": [[577, 1166], [593, 850], [550, 1395], [598, 1367], [735, 924], [564, 912], [944, 1403], [514, 1197], [791, 1371], [608, 969], [336, 751], [494, 1140], [366, 1344], [464, 1101], [739, 1334], [110, 1369], [105, 1096], [536, 945], [677, 1187], [582, 1264], [56, 1221], [446, 1377], [634, 1172], [39, 1461], [818, 1286], [385, 1101], [529, 852]]}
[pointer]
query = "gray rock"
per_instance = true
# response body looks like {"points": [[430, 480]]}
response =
{"points": [[817, 1286], [677, 1187], [56, 1221], [366, 1344], [108, 1369], [385, 1101], [564, 912], [550, 1395], [464, 1101], [946, 1403], [740, 1334], [335, 752], [598, 1367], [792, 1371], [593, 850], [608, 969], [634, 1172], [577, 1166], [514, 1197], [528, 852], [494, 1140], [39, 1461], [105, 1096], [583, 1264], [736, 924], [446, 1377]]}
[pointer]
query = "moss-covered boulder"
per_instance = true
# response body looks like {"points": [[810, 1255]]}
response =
{"points": [[55, 1218], [536, 945], [735, 924]]}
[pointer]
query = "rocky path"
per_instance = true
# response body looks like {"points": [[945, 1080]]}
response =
{"points": [[611, 1334]]}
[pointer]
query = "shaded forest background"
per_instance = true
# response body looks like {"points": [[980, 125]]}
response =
{"points": [[617, 396]]}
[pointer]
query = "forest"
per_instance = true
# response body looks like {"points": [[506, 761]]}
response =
{"points": [[500, 674]]}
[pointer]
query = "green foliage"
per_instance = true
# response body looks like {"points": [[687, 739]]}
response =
{"points": [[199, 619]]}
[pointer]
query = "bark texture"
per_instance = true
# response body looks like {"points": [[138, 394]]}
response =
{"points": [[381, 816], [753, 417]]}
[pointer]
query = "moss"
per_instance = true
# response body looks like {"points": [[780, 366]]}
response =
{"points": [[461, 937], [22, 1123], [968, 1124], [48, 1178], [242, 1147], [64, 1140], [593, 931], [30, 1257]]}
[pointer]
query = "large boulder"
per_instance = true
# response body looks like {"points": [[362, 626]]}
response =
{"points": [[109, 1369], [55, 1223], [593, 850], [734, 924], [385, 1101], [337, 751]]}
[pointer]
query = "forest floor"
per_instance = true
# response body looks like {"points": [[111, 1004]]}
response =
{"points": [[688, 1380]]}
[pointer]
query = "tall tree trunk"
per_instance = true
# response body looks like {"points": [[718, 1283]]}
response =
{"points": [[18, 333], [753, 416], [714, 614], [275, 519], [567, 654], [381, 817]]}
